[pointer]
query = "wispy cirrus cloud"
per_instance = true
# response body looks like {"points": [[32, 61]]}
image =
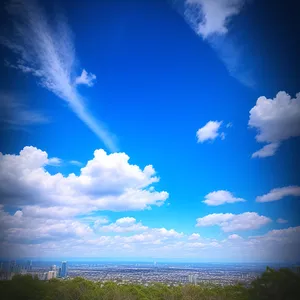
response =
{"points": [[211, 20], [16, 114], [280, 193], [45, 50]]}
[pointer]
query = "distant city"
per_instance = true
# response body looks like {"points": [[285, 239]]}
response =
{"points": [[141, 273], [10, 268]]}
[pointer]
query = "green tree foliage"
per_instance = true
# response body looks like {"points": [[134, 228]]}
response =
{"points": [[277, 285], [274, 285]]}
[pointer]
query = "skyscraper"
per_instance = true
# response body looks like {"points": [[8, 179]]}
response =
{"points": [[64, 269], [12, 266], [29, 265], [53, 268]]}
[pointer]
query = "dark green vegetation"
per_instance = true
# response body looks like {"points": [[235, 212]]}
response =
{"points": [[282, 284]]}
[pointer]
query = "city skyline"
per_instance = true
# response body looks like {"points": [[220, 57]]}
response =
{"points": [[159, 130]]}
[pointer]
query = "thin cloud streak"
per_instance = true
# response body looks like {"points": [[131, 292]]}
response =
{"points": [[17, 114], [211, 20], [47, 52]]}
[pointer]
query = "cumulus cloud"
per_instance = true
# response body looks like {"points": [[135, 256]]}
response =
{"points": [[231, 222], [221, 197], [281, 244], [44, 232], [212, 21], [127, 224], [45, 50], [275, 120], [234, 237], [85, 78], [279, 193], [98, 221], [194, 236], [106, 182], [267, 150], [209, 131], [27, 229], [36, 234]]}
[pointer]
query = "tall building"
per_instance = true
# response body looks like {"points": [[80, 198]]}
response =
{"points": [[192, 279], [53, 268], [29, 265], [64, 269], [12, 266], [51, 275]]}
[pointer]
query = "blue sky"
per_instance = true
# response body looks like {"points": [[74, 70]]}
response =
{"points": [[190, 90]]}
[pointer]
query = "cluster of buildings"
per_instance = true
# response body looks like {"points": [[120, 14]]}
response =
{"points": [[54, 272], [8, 269], [193, 279]]}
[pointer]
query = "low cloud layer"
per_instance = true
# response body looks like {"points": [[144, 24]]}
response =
{"points": [[37, 236]]}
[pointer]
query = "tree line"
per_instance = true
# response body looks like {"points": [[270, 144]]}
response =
{"points": [[282, 284]]}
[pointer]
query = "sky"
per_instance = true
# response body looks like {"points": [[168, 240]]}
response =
{"points": [[148, 130]]}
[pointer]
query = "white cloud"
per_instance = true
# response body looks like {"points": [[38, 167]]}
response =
{"points": [[282, 244], [194, 236], [221, 197], [234, 237], [212, 21], [54, 161], [29, 228], [75, 163], [85, 78], [100, 221], [51, 212], [210, 17], [267, 150], [127, 224], [279, 193], [209, 131], [15, 113], [40, 235], [107, 182], [231, 222], [281, 221], [288, 235], [47, 52], [275, 120]]}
